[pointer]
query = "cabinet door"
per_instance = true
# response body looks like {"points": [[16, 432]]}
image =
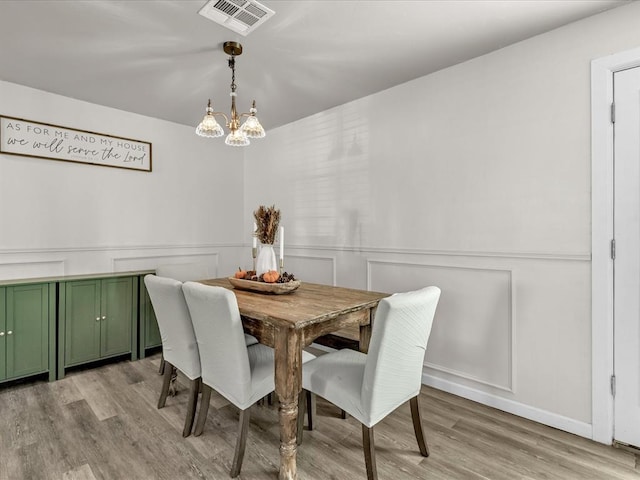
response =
{"points": [[3, 336], [82, 322], [27, 330], [117, 315]]}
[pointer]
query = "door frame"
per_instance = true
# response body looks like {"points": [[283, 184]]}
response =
{"points": [[602, 339]]}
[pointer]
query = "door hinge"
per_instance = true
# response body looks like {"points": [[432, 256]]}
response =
{"points": [[613, 249], [613, 113], [613, 385]]}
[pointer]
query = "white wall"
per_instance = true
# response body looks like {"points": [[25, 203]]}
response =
{"points": [[477, 179], [67, 218]]}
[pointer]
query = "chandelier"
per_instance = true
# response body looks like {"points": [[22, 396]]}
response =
{"points": [[239, 134]]}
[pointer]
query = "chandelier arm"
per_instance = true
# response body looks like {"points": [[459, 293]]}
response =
{"points": [[226, 119]]}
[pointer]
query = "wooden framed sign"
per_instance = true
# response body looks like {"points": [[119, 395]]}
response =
{"points": [[53, 142]]}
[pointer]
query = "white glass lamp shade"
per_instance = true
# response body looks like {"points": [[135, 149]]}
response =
{"points": [[252, 127], [208, 126], [237, 138]]}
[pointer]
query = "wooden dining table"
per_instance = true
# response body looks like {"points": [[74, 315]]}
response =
{"points": [[290, 322]]}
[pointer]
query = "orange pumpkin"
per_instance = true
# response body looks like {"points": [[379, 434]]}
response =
{"points": [[271, 276], [240, 273]]}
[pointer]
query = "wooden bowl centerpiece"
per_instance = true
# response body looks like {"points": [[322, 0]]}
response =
{"points": [[269, 282]]}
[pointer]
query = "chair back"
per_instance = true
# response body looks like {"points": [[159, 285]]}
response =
{"points": [[399, 337], [223, 351], [184, 272], [179, 346]]}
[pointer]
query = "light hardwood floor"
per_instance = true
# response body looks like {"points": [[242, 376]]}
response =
{"points": [[103, 424]]}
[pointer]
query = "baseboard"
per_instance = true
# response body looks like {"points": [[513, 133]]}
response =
{"points": [[516, 408]]}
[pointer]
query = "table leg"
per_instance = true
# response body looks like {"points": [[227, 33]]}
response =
{"points": [[288, 380]]}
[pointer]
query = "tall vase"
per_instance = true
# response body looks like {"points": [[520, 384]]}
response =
{"points": [[266, 259]]}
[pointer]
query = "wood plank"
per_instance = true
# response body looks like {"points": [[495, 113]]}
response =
{"points": [[95, 394], [82, 472]]}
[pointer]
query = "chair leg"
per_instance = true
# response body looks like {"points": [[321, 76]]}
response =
{"points": [[306, 401], [161, 369], [417, 426], [204, 409], [166, 381], [369, 453], [243, 428], [173, 384], [266, 400], [311, 408], [194, 389], [302, 405], [343, 415]]}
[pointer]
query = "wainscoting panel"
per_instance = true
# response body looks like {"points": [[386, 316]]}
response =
{"points": [[311, 268], [32, 269], [472, 336], [124, 264]]}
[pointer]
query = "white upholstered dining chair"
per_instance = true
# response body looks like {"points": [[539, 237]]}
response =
{"points": [[241, 374], [189, 272], [179, 347], [371, 386], [182, 272]]}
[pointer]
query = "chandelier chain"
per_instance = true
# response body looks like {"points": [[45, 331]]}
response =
{"points": [[232, 66]]}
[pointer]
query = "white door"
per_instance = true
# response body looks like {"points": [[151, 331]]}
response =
{"points": [[627, 256]]}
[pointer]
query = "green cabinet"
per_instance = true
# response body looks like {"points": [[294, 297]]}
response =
{"points": [[27, 330], [99, 316], [149, 332], [97, 319]]}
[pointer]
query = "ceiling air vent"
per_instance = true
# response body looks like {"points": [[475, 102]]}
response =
{"points": [[241, 16]]}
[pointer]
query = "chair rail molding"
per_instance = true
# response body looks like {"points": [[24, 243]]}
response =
{"points": [[602, 70], [560, 256], [106, 248], [503, 287]]}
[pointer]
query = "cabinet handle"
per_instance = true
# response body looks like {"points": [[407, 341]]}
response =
{"points": [[97, 319], [1, 334], [9, 332], [104, 317]]}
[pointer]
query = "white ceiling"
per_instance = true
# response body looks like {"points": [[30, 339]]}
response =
{"points": [[162, 59]]}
